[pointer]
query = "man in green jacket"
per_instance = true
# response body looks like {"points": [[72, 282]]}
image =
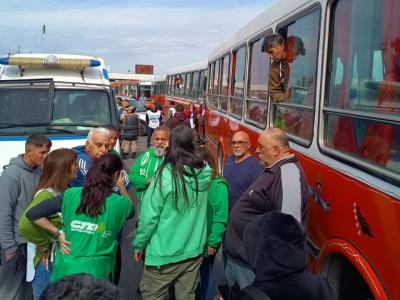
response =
{"points": [[148, 163]]}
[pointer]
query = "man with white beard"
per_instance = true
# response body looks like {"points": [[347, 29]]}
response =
{"points": [[148, 163]]}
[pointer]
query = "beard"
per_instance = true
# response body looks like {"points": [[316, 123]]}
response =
{"points": [[159, 151]]}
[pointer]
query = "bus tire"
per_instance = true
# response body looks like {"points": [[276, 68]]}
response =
{"points": [[346, 282]]}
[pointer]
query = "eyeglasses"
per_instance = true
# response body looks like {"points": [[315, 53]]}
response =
{"points": [[238, 143]]}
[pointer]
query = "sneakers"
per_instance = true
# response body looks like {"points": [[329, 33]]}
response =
{"points": [[133, 155], [124, 155]]}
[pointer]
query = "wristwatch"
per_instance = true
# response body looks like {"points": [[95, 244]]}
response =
{"points": [[58, 233]]}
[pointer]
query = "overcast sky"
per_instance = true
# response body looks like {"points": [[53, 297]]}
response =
{"points": [[167, 34]]}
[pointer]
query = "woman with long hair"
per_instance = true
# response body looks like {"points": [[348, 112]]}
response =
{"points": [[59, 168], [217, 218], [92, 217], [173, 221]]}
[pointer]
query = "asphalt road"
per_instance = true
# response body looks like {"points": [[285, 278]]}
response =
{"points": [[131, 272]]}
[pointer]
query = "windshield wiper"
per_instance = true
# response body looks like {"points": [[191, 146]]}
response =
{"points": [[75, 124], [49, 128], [10, 125]]}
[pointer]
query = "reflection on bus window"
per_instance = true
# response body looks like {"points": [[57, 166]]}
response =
{"points": [[225, 82], [365, 81], [257, 99], [239, 67]]}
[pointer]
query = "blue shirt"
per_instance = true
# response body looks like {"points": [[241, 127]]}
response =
{"points": [[240, 176]]}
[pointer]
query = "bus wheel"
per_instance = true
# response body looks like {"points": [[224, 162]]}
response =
{"points": [[344, 279], [220, 161]]}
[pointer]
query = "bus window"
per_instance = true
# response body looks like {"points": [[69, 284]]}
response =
{"points": [[225, 82], [202, 86], [297, 115], [238, 71], [257, 98], [195, 85], [365, 83], [215, 86], [188, 84]]}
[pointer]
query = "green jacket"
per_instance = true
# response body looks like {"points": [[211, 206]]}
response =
{"points": [[217, 211], [143, 169], [35, 234], [168, 234], [93, 239]]}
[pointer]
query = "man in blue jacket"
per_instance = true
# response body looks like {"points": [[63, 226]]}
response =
{"points": [[97, 144]]}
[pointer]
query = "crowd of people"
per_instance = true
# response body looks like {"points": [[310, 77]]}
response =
{"points": [[63, 212]]}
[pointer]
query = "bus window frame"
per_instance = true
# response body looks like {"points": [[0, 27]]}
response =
{"points": [[228, 95], [212, 94], [232, 82], [317, 96], [325, 111], [251, 41]]}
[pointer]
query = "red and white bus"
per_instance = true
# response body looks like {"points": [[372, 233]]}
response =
{"points": [[343, 121], [186, 84]]}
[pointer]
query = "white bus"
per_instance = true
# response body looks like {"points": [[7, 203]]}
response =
{"points": [[62, 96]]}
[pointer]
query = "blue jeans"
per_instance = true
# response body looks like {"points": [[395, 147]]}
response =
{"points": [[205, 289], [41, 280], [149, 134]]}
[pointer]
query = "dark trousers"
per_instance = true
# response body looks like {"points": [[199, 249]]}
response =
{"points": [[13, 283], [149, 134]]}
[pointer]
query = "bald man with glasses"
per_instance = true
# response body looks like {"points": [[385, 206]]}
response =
{"points": [[241, 168]]}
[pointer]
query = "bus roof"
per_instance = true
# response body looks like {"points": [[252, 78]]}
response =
{"points": [[187, 68], [259, 24]]}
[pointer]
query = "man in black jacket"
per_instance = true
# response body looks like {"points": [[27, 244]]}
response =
{"points": [[281, 187]]}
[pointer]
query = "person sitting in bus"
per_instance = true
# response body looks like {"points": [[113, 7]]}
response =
{"points": [[275, 245], [282, 54], [179, 118]]}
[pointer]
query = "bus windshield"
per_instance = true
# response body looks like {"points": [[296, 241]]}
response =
{"points": [[27, 108]]}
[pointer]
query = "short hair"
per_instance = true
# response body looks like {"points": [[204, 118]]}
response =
{"points": [[278, 135], [111, 127], [98, 130], [179, 108], [162, 128], [81, 287], [271, 41], [38, 140]]}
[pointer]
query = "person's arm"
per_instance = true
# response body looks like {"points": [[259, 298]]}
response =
{"points": [[152, 205], [45, 209], [218, 199], [120, 184], [8, 201], [147, 119], [138, 180]]}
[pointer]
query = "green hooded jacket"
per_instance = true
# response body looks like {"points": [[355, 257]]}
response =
{"points": [[169, 234], [142, 170]]}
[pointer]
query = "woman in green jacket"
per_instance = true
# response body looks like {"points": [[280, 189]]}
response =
{"points": [[59, 168], [92, 217], [173, 221], [217, 218]]}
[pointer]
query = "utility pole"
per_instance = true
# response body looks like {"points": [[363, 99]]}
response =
{"points": [[43, 32]]}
